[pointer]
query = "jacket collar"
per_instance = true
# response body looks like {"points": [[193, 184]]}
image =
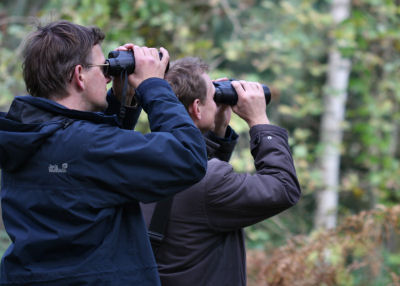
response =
{"points": [[29, 109]]}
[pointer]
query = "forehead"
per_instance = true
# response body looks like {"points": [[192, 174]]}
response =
{"points": [[97, 53]]}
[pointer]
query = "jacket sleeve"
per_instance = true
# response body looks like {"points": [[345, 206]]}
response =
{"points": [[131, 113], [235, 200], [128, 165], [221, 148]]}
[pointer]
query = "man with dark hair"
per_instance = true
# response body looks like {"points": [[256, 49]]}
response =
{"points": [[72, 177], [203, 240]]}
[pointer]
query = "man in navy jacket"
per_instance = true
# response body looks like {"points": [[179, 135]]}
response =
{"points": [[72, 177], [204, 243]]}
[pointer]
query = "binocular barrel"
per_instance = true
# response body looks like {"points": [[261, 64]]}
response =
{"points": [[225, 93], [120, 61]]}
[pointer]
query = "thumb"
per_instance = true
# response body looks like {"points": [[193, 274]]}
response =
{"points": [[165, 56]]}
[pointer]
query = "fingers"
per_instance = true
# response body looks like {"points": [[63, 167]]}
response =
{"points": [[247, 87], [251, 104], [145, 51], [145, 55], [126, 47], [238, 86], [148, 64], [165, 56], [221, 79], [154, 53], [138, 51], [148, 52]]}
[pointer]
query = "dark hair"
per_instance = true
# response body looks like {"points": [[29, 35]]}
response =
{"points": [[185, 78], [51, 53]]}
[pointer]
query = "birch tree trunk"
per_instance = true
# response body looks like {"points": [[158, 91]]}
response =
{"points": [[331, 129]]}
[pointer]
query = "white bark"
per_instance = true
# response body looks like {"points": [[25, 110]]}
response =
{"points": [[335, 98]]}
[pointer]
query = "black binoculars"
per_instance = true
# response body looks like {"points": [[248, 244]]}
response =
{"points": [[225, 93], [121, 61], [124, 61]]}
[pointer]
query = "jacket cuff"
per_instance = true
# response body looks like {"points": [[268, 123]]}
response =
{"points": [[221, 148], [131, 113]]}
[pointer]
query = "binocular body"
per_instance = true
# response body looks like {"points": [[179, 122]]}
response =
{"points": [[121, 61], [225, 93]]}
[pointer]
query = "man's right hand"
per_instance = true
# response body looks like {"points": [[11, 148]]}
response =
{"points": [[251, 106]]}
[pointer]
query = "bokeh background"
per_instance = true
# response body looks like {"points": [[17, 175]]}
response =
{"points": [[334, 71]]}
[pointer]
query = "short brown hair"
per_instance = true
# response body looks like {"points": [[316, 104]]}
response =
{"points": [[51, 53], [185, 78]]}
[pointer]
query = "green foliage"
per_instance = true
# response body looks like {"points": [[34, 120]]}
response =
{"points": [[373, 113], [10, 72], [4, 242], [284, 44]]}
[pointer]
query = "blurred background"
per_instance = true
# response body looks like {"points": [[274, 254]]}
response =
{"points": [[334, 71]]}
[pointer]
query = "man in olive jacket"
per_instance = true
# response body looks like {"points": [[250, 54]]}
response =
{"points": [[204, 243]]}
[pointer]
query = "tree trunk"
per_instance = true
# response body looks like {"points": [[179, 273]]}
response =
{"points": [[331, 129]]}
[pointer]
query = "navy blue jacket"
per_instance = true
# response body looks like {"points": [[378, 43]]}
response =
{"points": [[72, 182]]}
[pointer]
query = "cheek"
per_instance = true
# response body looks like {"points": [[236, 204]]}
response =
{"points": [[215, 107]]}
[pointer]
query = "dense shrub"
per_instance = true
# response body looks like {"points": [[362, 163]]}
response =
{"points": [[360, 251]]}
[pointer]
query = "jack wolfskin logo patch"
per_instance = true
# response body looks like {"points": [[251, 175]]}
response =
{"points": [[55, 169]]}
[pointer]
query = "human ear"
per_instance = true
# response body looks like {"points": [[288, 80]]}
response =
{"points": [[78, 77], [195, 110]]}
